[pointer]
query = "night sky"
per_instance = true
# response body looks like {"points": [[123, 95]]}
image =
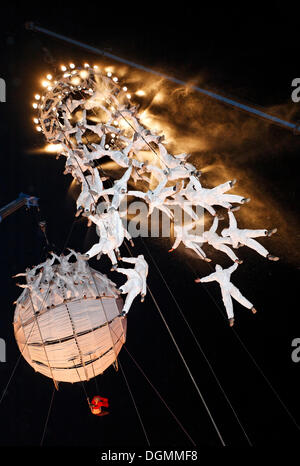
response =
{"points": [[243, 52]]}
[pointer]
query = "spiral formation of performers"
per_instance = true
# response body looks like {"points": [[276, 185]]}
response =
{"points": [[91, 116]]}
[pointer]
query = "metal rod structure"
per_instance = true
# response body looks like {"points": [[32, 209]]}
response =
{"points": [[234, 103]]}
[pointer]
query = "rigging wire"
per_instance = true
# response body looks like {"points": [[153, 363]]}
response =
{"points": [[199, 346], [82, 384], [185, 363], [176, 346], [251, 356], [235, 104], [134, 403], [21, 352], [146, 142], [48, 415], [258, 367], [159, 395]]}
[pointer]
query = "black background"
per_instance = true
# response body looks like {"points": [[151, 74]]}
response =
{"points": [[250, 53]]}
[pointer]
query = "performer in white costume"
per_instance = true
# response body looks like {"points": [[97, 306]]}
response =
{"points": [[245, 237], [228, 290]]}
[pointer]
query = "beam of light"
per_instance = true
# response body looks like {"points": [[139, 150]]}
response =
{"points": [[53, 148], [234, 103], [218, 141], [47, 149], [140, 93]]}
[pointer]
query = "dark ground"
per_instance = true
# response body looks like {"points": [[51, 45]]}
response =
{"points": [[249, 53]]}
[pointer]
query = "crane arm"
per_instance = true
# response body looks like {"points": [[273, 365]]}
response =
{"points": [[23, 199]]}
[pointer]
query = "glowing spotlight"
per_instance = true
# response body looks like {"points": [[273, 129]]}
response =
{"points": [[63, 68], [86, 65], [75, 81], [84, 74], [53, 148], [140, 93], [128, 96], [109, 74], [35, 120], [38, 128], [45, 83], [115, 79], [124, 88], [35, 105], [49, 77], [72, 66], [37, 96]]}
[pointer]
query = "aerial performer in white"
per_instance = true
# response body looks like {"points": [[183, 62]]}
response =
{"points": [[207, 198], [82, 275], [169, 160], [34, 288], [29, 274], [228, 290], [65, 273], [190, 241], [143, 137], [185, 170], [179, 200], [99, 150], [119, 189], [111, 232], [91, 190], [48, 270], [245, 237], [141, 266], [156, 198], [133, 287], [219, 242], [104, 246], [76, 158], [110, 224]]}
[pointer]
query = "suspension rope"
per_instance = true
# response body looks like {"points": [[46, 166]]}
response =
{"points": [[146, 142], [185, 363], [135, 406], [69, 235], [21, 352], [95, 378], [39, 329], [251, 356], [238, 105], [74, 332], [198, 344], [103, 308], [82, 384], [159, 395], [48, 415]]}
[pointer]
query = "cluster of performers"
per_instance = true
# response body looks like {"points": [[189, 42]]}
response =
{"points": [[93, 120]]}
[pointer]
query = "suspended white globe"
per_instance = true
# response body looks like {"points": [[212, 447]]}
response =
{"points": [[72, 340]]}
